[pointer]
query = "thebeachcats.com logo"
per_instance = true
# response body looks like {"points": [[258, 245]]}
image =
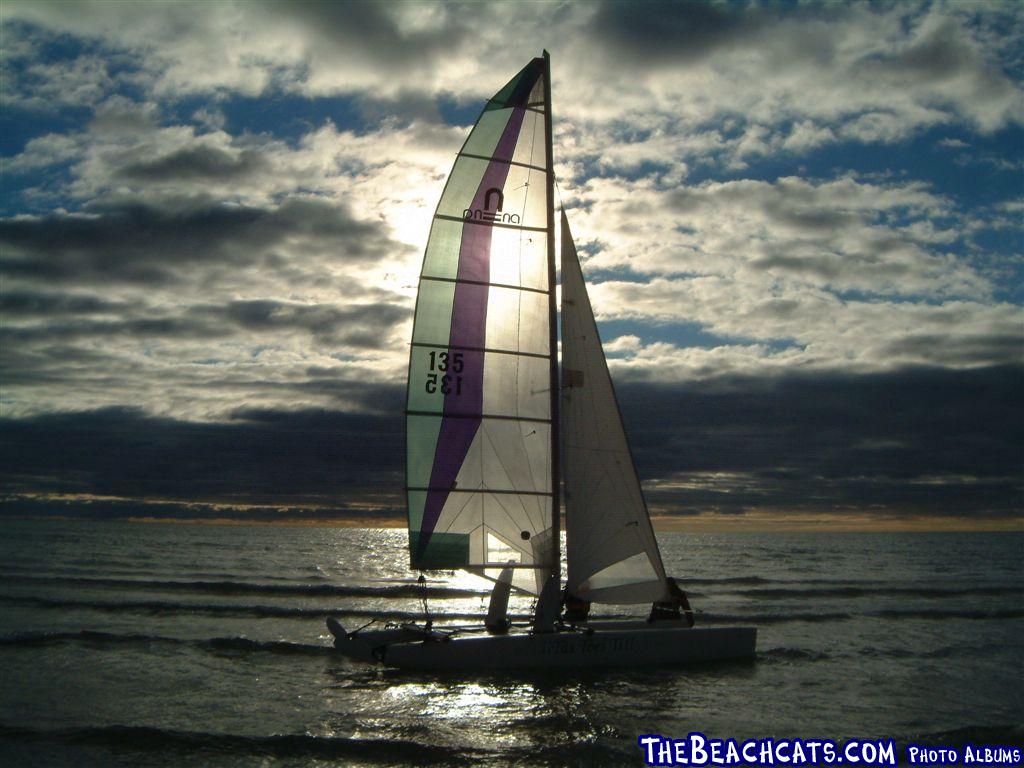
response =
{"points": [[698, 749]]}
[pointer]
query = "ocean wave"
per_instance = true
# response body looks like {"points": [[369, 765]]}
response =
{"points": [[1006, 735], [895, 613], [145, 739], [791, 654], [946, 652], [95, 638], [884, 591], [160, 607], [769, 618], [408, 589], [928, 613]]}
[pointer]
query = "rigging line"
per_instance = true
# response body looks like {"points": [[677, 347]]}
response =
{"points": [[555, 458], [558, 192]]}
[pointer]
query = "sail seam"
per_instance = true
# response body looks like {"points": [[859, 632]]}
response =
{"points": [[481, 223], [478, 416], [528, 107], [479, 349], [502, 160], [463, 280]]}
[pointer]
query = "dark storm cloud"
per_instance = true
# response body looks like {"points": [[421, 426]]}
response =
{"points": [[26, 303], [144, 244], [930, 441], [373, 29], [939, 55], [926, 441], [27, 365], [139, 328], [256, 457], [655, 31], [825, 267], [361, 325], [829, 266], [966, 350], [196, 164], [814, 221]]}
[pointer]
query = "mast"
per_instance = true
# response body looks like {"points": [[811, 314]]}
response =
{"points": [[556, 476]]}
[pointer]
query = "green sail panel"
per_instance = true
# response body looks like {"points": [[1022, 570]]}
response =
{"points": [[478, 469]]}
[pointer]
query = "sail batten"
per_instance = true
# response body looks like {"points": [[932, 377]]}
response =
{"points": [[502, 160], [481, 282], [478, 416], [514, 352], [514, 492]]}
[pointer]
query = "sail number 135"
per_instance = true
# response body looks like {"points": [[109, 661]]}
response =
{"points": [[445, 368]]}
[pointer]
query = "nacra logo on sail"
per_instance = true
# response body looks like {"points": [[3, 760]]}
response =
{"points": [[490, 213]]}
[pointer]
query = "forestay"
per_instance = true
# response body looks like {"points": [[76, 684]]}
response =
{"points": [[478, 473], [612, 555]]}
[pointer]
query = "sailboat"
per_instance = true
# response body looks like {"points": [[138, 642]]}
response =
{"points": [[495, 429]]}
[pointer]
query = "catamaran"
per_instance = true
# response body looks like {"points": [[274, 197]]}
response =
{"points": [[494, 433]]}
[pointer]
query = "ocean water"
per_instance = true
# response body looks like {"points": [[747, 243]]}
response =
{"points": [[174, 645]]}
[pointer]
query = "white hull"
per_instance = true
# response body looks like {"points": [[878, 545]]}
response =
{"points": [[596, 646]]}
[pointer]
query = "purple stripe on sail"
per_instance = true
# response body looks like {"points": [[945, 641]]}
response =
{"points": [[468, 329]]}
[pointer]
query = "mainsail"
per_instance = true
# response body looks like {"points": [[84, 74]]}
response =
{"points": [[612, 555], [479, 405]]}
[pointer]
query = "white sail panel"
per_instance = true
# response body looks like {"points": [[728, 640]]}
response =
{"points": [[524, 259], [532, 152], [612, 553], [517, 386], [517, 321]]}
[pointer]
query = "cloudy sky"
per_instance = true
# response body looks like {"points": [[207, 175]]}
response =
{"points": [[802, 227]]}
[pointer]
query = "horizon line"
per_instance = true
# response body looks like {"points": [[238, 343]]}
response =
{"points": [[708, 523]]}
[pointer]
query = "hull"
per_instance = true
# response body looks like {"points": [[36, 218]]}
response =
{"points": [[605, 647]]}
